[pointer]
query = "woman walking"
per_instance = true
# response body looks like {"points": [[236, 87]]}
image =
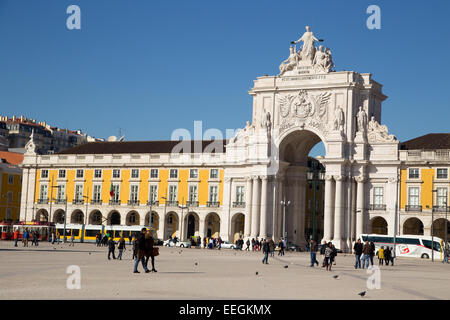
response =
{"points": [[387, 256], [121, 247], [380, 256], [328, 255]]}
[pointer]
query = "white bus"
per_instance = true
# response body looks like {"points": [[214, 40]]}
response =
{"points": [[408, 245]]}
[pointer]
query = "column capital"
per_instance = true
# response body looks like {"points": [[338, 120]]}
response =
{"points": [[264, 178], [248, 178], [393, 180], [339, 178], [328, 177], [360, 179], [255, 177]]}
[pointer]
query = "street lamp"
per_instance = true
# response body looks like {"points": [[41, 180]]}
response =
{"points": [[181, 220], [315, 175], [285, 204]]}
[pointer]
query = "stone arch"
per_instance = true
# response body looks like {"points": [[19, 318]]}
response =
{"points": [[413, 226], [439, 228], [152, 220], [212, 225], [58, 216], [95, 217], [77, 217], [132, 218], [41, 215], [237, 226], [294, 147], [379, 225], [171, 225], [114, 218], [191, 224]]}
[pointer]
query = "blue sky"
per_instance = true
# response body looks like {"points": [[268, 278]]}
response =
{"points": [[149, 67]]}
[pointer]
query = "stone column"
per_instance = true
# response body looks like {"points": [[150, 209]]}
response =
{"points": [[225, 217], [255, 207], [280, 207], [328, 210], [263, 222], [201, 227], [338, 213], [248, 206], [161, 225], [360, 206], [301, 189]]}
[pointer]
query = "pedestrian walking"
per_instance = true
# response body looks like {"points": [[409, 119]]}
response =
{"points": [[121, 247], [25, 238], [392, 256], [204, 243], [57, 237], [366, 255], [248, 245], [333, 254], [111, 248], [280, 246], [72, 238], [130, 238], [266, 250], [53, 238], [16, 237], [97, 239], [219, 241], [328, 256], [272, 247], [149, 253], [199, 242], [387, 256], [141, 245], [135, 248], [312, 253], [36, 241], [322, 252], [445, 260], [372, 252], [380, 255], [358, 249], [253, 244]]}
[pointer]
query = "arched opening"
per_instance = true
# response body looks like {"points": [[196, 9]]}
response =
{"points": [[77, 217], [300, 154], [413, 226], [237, 226], [132, 218], [379, 225], [191, 224], [439, 228], [58, 216], [171, 225], [152, 220], [212, 225], [114, 218], [41, 215], [95, 217]]}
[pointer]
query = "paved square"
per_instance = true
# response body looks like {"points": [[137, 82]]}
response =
{"points": [[40, 273]]}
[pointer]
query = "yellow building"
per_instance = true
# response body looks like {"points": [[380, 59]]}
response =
{"points": [[10, 185], [129, 183], [425, 185]]}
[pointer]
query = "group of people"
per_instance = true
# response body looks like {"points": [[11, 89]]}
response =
{"points": [[143, 249], [27, 235], [365, 253]]}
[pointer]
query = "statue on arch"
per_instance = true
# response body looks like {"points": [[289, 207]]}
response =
{"points": [[291, 62], [308, 49], [362, 120], [329, 65], [320, 60], [338, 119]]}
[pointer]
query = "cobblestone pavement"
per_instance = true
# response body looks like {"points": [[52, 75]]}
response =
{"points": [[40, 273]]}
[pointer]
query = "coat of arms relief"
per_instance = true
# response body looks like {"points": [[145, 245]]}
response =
{"points": [[303, 109]]}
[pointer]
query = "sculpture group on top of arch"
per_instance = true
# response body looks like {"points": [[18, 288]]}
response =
{"points": [[308, 58]]}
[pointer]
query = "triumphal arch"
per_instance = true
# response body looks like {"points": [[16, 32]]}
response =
{"points": [[308, 102]]}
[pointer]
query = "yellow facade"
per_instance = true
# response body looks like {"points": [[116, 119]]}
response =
{"points": [[10, 194], [125, 181]]}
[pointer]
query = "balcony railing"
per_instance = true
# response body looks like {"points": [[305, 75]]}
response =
{"points": [[441, 209], [153, 203], [192, 203], [213, 204], [113, 202], [96, 201], [133, 202], [172, 203], [42, 201], [377, 207], [238, 204], [60, 201], [78, 201], [413, 208]]}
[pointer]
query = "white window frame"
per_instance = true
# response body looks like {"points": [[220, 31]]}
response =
{"points": [[82, 173], [133, 171], [437, 197], [79, 195], [446, 170], [45, 185], [170, 173], [153, 195], [60, 175], [192, 171], [44, 176], [375, 196], [195, 199], [99, 193], [169, 198], [409, 196], [211, 171], [116, 189], [134, 196], [409, 173], [113, 173], [95, 173], [238, 194], [157, 173], [210, 193], [61, 195]]}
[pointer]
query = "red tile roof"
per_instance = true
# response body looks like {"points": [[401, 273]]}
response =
{"points": [[431, 141], [11, 157]]}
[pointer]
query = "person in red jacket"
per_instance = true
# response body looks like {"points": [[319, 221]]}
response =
{"points": [[16, 237]]}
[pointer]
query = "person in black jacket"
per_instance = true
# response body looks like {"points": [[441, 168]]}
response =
{"points": [[149, 250], [387, 255], [266, 250], [141, 245], [121, 247], [372, 252], [111, 248], [357, 249]]}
